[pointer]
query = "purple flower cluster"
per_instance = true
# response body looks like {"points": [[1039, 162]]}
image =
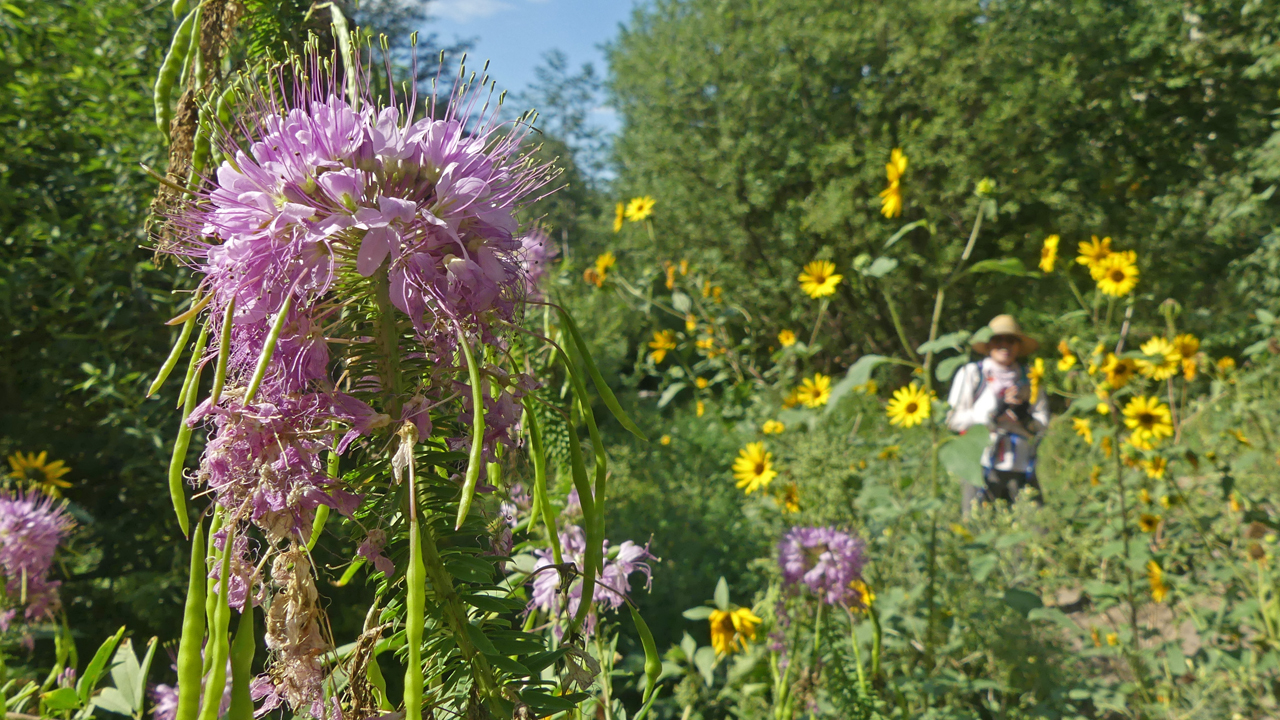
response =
{"points": [[824, 559], [613, 585], [31, 528], [323, 210]]}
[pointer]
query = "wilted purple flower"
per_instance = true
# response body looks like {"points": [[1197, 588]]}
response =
{"points": [[31, 527], [824, 559], [371, 550], [612, 588]]}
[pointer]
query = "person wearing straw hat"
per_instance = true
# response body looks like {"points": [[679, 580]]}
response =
{"points": [[994, 392]]}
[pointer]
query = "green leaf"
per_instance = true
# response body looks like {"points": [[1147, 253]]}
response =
{"points": [[688, 646], [948, 367], [902, 232], [61, 699], [124, 674], [882, 266], [962, 455], [705, 660], [1004, 266], [480, 640], [112, 700], [1022, 601], [681, 302], [670, 393], [722, 595], [702, 612], [93, 672], [982, 565], [951, 341]]}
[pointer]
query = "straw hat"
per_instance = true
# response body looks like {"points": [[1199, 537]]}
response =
{"points": [[1006, 325]]}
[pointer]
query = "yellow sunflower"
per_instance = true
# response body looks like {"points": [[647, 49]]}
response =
{"points": [[640, 208], [1168, 363], [1095, 477], [891, 196], [1148, 523], [701, 383], [670, 270], [772, 427], [1049, 253], [819, 279], [1187, 345], [1117, 276], [816, 391], [1119, 370], [664, 440], [1148, 418], [890, 452], [1113, 639], [1036, 375], [1156, 467], [36, 470], [700, 408], [1226, 365], [909, 406], [864, 594], [663, 341], [1084, 428], [754, 467], [690, 323], [1093, 252], [787, 338], [1155, 577], [618, 216], [1069, 358], [730, 631], [790, 500]]}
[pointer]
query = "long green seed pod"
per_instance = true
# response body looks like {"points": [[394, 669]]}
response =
{"points": [[190, 664], [415, 603], [322, 512], [476, 459], [606, 394], [219, 646], [242, 649], [169, 71], [179, 8], [224, 349], [191, 389], [652, 661], [211, 585], [268, 350], [594, 550], [172, 361], [538, 452]]}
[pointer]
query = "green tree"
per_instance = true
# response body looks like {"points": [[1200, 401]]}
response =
{"points": [[763, 129]]}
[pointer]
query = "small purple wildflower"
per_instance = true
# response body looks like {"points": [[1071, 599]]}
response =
{"points": [[824, 559], [31, 528], [612, 589]]}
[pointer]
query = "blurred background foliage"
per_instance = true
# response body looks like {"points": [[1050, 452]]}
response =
{"points": [[761, 128]]}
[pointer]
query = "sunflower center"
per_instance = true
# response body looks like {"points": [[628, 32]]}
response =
{"points": [[1117, 275], [1146, 419], [759, 468], [911, 407]]}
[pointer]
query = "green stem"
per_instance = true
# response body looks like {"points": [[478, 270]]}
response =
{"points": [[817, 322], [178, 460], [875, 641], [897, 325], [224, 349], [389, 340], [857, 655]]}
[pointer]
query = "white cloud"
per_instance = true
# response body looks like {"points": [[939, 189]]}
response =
{"points": [[466, 10]]}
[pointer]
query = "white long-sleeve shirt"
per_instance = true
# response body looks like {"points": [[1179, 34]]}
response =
{"points": [[1012, 445]]}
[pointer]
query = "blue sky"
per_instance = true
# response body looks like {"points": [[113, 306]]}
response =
{"points": [[514, 34]]}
